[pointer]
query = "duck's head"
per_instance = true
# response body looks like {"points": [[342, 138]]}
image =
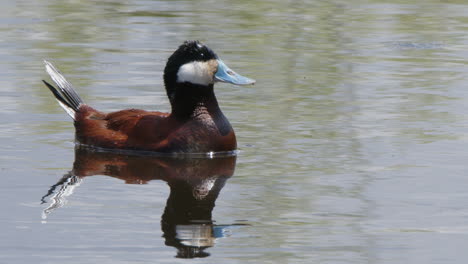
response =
{"points": [[197, 66]]}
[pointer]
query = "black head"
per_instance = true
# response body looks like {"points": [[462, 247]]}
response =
{"points": [[188, 52], [195, 68]]}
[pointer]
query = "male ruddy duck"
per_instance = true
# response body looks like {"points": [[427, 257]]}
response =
{"points": [[195, 124]]}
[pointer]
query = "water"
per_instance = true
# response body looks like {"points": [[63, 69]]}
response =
{"points": [[352, 143]]}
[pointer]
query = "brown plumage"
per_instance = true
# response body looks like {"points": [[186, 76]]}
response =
{"points": [[135, 129]]}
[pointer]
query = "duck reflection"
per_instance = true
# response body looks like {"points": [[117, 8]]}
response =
{"points": [[194, 184]]}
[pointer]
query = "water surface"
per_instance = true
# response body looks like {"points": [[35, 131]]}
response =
{"points": [[352, 142]]}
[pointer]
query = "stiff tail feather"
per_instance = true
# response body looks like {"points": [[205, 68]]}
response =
{"points": [[66, 96]]}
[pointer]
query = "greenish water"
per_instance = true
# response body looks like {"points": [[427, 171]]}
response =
{"points": [[352, 142]]}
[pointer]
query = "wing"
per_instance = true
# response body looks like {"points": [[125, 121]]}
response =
{"points": [[112, 130]]}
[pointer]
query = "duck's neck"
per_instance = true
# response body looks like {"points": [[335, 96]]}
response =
{"points": [[194, 100]]}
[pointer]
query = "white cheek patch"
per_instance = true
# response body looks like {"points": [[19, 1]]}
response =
{"points": [[197, 72]]}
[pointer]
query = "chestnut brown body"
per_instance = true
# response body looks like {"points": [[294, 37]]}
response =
{"points": [[134, 129]]}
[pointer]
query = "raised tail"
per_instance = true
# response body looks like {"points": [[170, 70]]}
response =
{"points": [[66, 96]]}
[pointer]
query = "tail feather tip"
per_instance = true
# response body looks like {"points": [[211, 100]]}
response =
{"points": [[68, 99]]}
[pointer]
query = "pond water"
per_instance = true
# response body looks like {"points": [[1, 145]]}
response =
{"points": [[353, 142]]}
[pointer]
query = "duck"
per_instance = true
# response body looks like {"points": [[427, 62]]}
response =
{"points": [[195, 124]]}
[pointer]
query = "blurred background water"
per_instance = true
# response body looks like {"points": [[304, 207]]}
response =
{"points": [[352, 143]]}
